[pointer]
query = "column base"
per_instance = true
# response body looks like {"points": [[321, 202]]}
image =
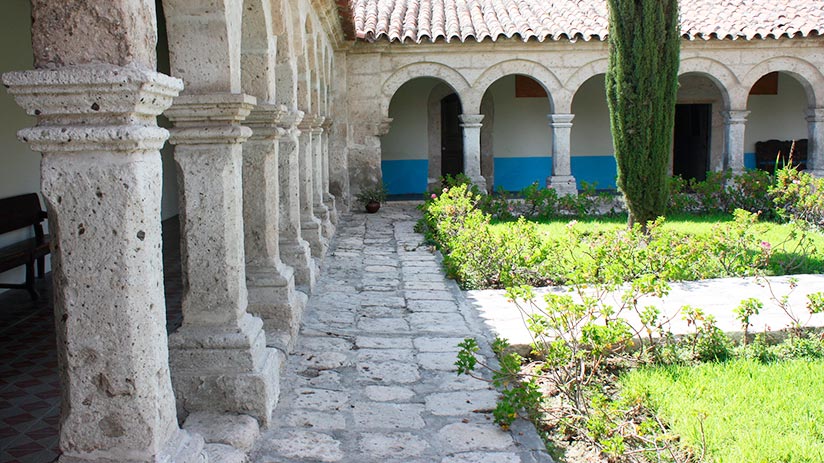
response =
{"points": [[564, 185], [297, 254], [480, 182], [311, 230], [322, 212], [329, 200], [225, 369], [273, 298], [181, 447], [816, 173]]}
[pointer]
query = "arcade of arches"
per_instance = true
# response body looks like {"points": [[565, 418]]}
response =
{"points": [[275, 119]]}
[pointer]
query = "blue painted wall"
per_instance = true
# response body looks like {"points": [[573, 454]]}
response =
{"points": [[409, 176], [515, 174], [595, 169], [405, 176], [749, 160]]}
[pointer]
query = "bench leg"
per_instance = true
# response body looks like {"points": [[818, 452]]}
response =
{"points": [[41, 267], [30, 281]]}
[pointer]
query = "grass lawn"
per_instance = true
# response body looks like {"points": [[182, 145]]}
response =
{"points": [[751, 412], [778, 235]]}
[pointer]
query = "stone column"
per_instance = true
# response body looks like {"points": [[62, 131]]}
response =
{"points": [[219, 357], [735, 124], [101, 178], [815, 141], [318, 206], [471, 124], [311, 228], [328, 198], [561, 180], [294, 250], [270, 283]]}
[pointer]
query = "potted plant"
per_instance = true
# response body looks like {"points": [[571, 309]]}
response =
{"points": [[372, 196]]}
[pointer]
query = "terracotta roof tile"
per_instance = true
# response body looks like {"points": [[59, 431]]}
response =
{"points": [[464, 20]]}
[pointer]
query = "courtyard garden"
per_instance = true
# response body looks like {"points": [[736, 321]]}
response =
{"points": [[608, 381]]}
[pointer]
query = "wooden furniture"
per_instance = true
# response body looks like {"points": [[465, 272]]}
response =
{"points": [[20, 212]]}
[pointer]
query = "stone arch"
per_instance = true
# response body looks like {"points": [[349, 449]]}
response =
{"points": [[574, 82], [723, 78], [258, 50], [804, 72], [206, 58], [531, 69], [422, 69]]}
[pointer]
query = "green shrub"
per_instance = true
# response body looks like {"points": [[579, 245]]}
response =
{"points": [[798, 195]]}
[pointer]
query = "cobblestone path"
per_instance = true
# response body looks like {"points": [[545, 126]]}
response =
{"points": [[372, 378]]}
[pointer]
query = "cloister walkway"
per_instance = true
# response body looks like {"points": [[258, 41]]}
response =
{"points": [[372, 378]]}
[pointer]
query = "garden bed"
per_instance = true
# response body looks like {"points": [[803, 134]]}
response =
{"points": [[602, 323]]}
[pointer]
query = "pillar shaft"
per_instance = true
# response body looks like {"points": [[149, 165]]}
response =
{"points": [[328, 198], [101, 178], [561, 180], [735, 123], [270, 283], [311, 226], [295, 250], [815, 141], [219, 357], [318, 206], [471, 124]]}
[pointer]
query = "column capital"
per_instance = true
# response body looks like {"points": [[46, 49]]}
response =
{"points": [[815, 115], [264, 119], [327, 124], [736, 116], [560, 120], [471, 120], [379, 127], [305, 124], [210, 118], [290, 120], [93, 107], [317, 124]]}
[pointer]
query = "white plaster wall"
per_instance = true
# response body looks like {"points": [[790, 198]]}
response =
{"points": [[780, 117], [520, 125], [591, 134], [20, 172], [407, 137]]}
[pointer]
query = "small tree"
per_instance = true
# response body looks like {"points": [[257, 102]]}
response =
{"points": [[641, 86]]}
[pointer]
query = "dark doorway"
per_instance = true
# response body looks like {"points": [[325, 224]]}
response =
{"points": [[691, 147], [451, 136]]}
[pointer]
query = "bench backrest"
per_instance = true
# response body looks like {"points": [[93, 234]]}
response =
{"points": [[19, 212]]}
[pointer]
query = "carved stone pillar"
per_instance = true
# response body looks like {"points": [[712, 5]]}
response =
{"points": [[735, 124], [219, 357], [318, 206], [270, 283], [471, 124], [561, 180], [310, 225], [815, 141], [101, 178], [294, 250], [328, 198]]}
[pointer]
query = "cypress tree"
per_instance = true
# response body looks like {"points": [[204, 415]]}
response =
{"points": [[641, 86]]}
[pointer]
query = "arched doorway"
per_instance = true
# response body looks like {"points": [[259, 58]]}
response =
{"points": [[452, 162], [698, 143], [425, 140]]}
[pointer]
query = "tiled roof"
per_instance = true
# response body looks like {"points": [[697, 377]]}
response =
{"points": [[464, 20]]}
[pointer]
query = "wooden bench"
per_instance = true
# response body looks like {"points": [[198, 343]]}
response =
{"points": [[16, 213], [767, 153]]}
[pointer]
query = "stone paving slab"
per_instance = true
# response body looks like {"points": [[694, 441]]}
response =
{"points": [[372, 378]]}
